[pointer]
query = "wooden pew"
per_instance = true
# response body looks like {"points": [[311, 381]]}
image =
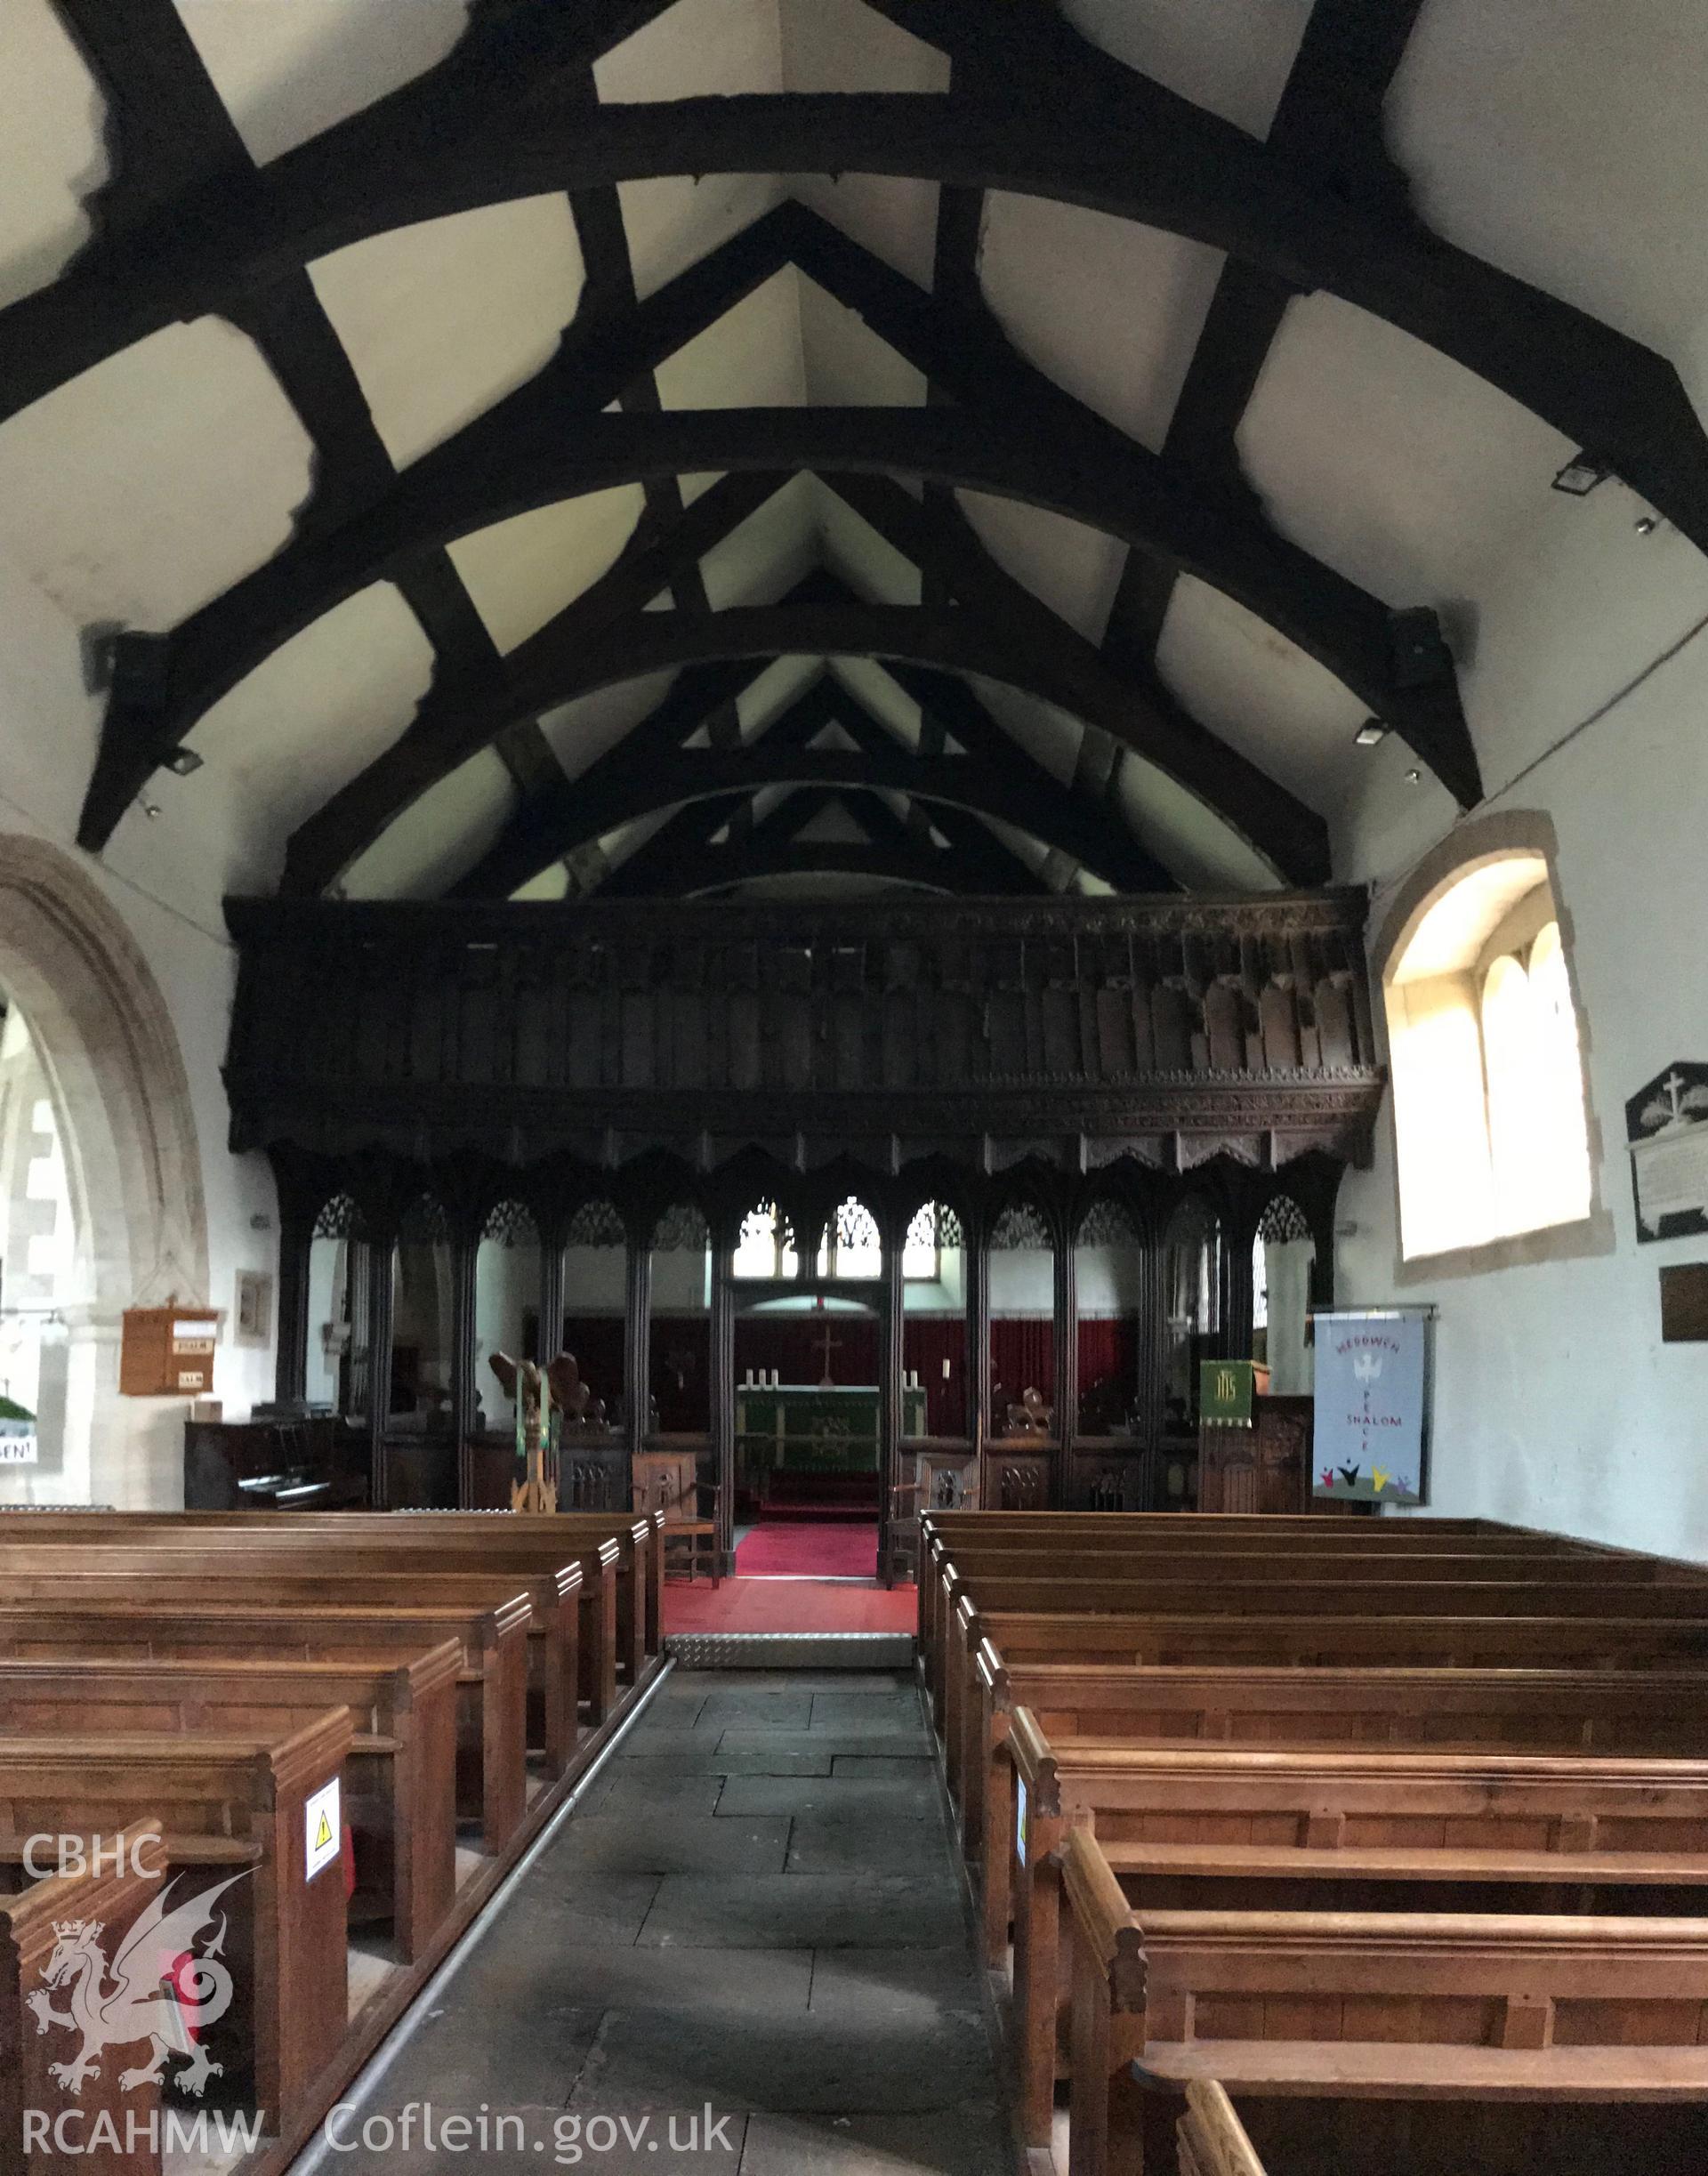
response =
{"points": [[229, 1808], [492, 1765], [400, 1795], [510, 1540], [208, 1570], [1489, 1642], [1324, 1831], [1210, 2140], [30, 1924], [639, 1536], [1378, 2043], [1084, 1711], [981, 1541], [1389, 1583]]}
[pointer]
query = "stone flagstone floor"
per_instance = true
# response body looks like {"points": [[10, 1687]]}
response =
{"points": [[754, 1910]]}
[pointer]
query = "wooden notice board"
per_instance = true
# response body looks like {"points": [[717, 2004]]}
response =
{"points": [[167, 1352]]}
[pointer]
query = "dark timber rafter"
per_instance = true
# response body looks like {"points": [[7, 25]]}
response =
{"points": [[444, 733], [683, 861], [1291, 835], [610, 276], [953, 640], [608, 355], [962, 640], [1105, 137], [171, 131], [995, 451], [999, 781], [1329, 114]]}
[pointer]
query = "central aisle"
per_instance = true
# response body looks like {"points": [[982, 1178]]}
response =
{"points": [[755, 1908]]}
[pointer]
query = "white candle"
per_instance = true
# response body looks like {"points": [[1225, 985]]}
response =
{"points": [[945, 1367], [750, 1378]]}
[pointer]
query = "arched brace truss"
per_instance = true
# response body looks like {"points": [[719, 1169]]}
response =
{"points": [[713, 845], [1000, 455], [421, 154], [994, 776]]}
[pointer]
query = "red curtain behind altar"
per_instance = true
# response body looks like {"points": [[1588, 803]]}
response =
{"points": [[927, 1342], [1108, 1345], [795, 1346], [1022, 1358]]}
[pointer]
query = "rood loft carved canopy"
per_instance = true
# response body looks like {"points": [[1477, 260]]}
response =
{"points": [[1172, 1030]]}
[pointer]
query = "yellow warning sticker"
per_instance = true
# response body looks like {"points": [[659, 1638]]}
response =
{"points": [[321, 1828]]}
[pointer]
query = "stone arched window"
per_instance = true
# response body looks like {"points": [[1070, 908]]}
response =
{"points": [[1283, 1253], [1491, 1115], [933, 1228], [765, 1245], [852, 1244]]}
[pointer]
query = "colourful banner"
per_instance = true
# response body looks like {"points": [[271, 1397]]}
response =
{"points": [[1372, 1406]]}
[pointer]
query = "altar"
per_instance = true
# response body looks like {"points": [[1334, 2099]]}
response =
{"points": [[815, 1444]]}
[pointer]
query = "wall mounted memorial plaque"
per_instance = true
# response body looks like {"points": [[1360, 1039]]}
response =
{"points": [[1666, 1128]]}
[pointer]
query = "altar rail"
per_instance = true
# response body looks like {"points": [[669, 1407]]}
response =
{"points": [[1171, 1027]]}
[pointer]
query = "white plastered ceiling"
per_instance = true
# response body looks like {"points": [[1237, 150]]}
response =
{"points": [[1563, 140]]}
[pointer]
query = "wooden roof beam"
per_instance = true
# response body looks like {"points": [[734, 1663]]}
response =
{"points": [[997, 452], [1200, 177], [1330, 115], [170, 131], [1291, 836], [449, 727], [955, 641], [1004, 784]]}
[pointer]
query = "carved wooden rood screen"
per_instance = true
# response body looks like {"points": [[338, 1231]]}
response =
{"points": [[1071, 1070]]}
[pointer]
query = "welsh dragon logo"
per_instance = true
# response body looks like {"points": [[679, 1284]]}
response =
{"points": [[159, 1986]]}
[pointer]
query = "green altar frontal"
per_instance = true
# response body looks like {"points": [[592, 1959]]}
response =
{"points": [[796, 1429]]}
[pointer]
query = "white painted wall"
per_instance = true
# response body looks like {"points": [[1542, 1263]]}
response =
{"points": [[1557, 1403], [163, 878]]}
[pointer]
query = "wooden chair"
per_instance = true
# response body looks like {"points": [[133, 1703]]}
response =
{"points": [[674, 1492]]}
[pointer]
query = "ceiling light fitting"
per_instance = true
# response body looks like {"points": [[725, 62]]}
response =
{"points": [[1581, 475], [183, 763], [1370, 733], [1645, 525]]}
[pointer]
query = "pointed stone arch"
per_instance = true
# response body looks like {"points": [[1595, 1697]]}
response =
{"points": [[134, 1166]]}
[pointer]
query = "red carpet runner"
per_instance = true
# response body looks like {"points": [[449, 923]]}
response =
{"points": [[803, 1576], [810, 1549]]}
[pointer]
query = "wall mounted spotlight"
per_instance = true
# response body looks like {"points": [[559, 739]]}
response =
{"points": [[1581, 475], [183, 762]]}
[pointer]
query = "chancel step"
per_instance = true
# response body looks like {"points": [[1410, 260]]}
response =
{"points": [[791, 1650]]}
